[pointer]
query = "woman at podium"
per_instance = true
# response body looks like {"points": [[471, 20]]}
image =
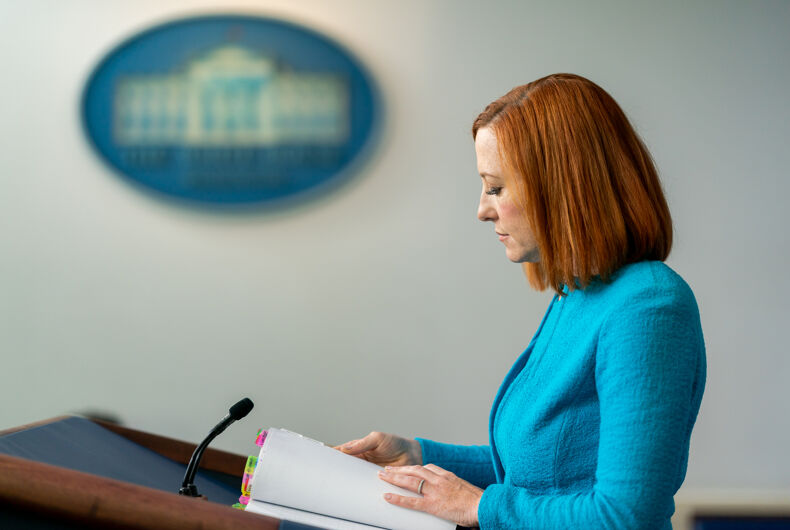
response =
{"points": [[591, 426]]}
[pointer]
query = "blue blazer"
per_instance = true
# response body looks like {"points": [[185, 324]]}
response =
{"points": [[591, 426]]}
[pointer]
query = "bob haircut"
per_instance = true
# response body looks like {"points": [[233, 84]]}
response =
{"points": [[584, 179]]}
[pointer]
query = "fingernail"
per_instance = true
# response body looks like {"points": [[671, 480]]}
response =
{"points": [[383, 474], [388, 496], [387, 467]]}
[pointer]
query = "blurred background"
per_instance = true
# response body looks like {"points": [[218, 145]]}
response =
{"points": [[386, 305]]}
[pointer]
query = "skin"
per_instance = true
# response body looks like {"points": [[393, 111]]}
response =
{"points": [[444, 494], [384, 449], [497, 203]]}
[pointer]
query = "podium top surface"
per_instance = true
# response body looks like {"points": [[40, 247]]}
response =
{"points": [[82, 445]]}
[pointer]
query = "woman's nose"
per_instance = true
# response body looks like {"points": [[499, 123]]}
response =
{"points": [[484, 210]]}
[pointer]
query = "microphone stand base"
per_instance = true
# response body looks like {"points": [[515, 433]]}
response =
{"points": [[190, 490]]}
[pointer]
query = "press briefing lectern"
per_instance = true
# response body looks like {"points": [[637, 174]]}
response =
{"points": [[73, 472]]}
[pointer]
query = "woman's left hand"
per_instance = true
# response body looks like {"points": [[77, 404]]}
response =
{"points": [[443, 494]]}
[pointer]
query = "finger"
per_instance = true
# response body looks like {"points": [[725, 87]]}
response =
{"points": [[413, 503], [436, 469], [408, 482], [363, 445], [345, 446], [342, 449]]}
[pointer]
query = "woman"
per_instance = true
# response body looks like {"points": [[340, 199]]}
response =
{"points": [[591, 426]]}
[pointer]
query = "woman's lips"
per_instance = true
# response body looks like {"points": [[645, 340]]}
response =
{"points": [[501, 236]]}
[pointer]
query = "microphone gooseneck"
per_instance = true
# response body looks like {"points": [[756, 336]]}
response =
{"points": [[236, 412]]}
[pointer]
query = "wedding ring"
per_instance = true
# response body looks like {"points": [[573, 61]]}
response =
{"points": [[419, 488]]}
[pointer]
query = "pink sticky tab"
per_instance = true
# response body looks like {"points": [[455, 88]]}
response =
{"points": [[261, 438], [244, 499]]}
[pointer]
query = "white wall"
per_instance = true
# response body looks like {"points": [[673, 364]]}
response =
{"points": [[387, 305]]}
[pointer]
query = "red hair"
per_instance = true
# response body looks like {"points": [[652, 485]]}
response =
{"points": [[586, 182]]}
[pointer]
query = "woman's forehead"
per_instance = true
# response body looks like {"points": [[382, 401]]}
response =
{"points": [[487, 150]]}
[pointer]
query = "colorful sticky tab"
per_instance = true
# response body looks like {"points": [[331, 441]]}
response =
{"points": [[245, 484], [252, 463], [261, 438], [249, 471]]}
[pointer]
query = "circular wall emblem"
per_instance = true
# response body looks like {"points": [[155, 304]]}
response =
{"points": [[230, 109]]}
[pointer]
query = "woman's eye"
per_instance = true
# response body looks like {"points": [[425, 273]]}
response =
{"points": [[493, 191]]}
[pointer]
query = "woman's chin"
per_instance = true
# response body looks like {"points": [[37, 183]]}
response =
{"points": [[527, 257]]}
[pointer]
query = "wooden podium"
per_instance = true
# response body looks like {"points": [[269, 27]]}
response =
{"points": [[38, 495]]}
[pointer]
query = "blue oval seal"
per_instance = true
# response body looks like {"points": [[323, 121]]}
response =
{"points": [[230, 109]]}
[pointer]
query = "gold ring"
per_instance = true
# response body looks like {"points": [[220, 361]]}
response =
{"points": [[419, 488]]}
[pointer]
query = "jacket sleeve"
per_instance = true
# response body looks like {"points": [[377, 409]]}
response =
{"points": [[472, 463], [649, 375]]}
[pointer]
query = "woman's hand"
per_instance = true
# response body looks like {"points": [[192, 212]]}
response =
{"points": [[384, 449], [443, 494]]}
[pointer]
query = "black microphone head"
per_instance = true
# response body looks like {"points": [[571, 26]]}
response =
{"points": [[241, 409]]}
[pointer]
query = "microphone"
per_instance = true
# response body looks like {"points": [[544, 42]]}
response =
{"points": [[236, 412]]}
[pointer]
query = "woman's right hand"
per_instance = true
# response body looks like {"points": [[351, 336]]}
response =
{"points": [[385, 450]]}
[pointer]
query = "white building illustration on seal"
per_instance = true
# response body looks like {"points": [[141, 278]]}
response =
{"points": [[232, 98]]}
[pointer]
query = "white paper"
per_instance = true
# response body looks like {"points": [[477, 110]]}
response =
{"points": [[300, 473], [298, 516]]}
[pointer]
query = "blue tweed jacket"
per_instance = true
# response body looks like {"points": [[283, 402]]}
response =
{"points": [[591, 426]]}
